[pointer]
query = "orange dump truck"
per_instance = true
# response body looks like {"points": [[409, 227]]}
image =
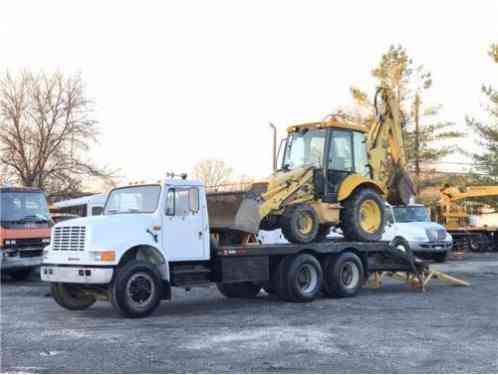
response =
{"points": [[24, 230]]}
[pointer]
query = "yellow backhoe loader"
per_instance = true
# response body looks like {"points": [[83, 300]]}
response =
{"points": [[334, 173]]}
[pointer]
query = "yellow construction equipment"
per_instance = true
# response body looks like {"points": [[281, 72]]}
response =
{"points": [[334, 173], [454, 216]]}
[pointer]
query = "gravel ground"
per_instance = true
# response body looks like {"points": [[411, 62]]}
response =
{"points": [[393, 329]]}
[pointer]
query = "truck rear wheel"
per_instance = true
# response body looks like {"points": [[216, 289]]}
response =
{"points": [[300, 224], [246, 289], [136, 290], [363, 216], [71, 296], [344, 275], [299, 278]]}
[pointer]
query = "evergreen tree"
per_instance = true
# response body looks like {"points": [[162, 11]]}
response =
{"points": [[487, 132]]}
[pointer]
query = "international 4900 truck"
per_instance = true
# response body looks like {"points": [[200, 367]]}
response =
{"points": [[155, 237]]}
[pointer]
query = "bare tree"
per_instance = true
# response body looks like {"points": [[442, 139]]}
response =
{"points": [[46, 130], [213, 172]]}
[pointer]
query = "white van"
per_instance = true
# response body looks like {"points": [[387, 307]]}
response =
{"points": [[409, 227]]}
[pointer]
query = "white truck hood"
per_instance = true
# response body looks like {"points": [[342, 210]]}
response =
{"points": [[103, 233]]}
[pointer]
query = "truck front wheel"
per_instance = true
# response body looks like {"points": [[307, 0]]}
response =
{"points": [[71, 296], [244, 289], [136, 290]]}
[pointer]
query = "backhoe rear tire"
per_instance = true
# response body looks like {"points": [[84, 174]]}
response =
{"points": [[300, 224], [363, 216]]}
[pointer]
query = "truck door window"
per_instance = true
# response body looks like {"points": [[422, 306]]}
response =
{"points": [[340, 154], [182, 201]]}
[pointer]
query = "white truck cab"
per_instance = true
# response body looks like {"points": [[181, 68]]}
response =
{"points": [[138, 221], [410, 227]]}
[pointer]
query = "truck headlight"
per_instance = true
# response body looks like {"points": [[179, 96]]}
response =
{"points": [[45, 240], [104, 256], [10, 242]]}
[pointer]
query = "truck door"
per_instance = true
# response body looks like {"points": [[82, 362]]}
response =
{"points": [[183, 233]]}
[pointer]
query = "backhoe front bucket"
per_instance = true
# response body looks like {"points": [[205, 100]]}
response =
{"points": [[238, 210]]}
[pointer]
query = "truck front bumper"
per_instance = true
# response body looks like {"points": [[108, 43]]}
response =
{"points": [[76, 274], [8, 262], [431, 247]]}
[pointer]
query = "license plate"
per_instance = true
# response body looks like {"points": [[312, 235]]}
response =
{"points": [[438, 247]]}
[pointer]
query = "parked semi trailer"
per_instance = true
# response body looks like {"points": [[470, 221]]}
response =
{"points": [[155, 237]]}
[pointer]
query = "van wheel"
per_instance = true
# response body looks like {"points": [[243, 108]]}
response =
{"points": [[244, 289], [301, 278], [363, 216], [71, 296], [344, 275], [136, 290], [300, 224]]}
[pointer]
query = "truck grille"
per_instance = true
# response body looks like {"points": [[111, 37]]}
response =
{"points": [[69, 238], [441, 234]]}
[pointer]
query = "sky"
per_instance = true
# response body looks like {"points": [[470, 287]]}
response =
{"points": [[176, 82]]}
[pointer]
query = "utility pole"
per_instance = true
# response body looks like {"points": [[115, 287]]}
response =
{"points": [[416, 110], [274, 154]]}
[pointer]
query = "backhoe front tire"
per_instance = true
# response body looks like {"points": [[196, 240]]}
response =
{"points": [[300, 224], [363, 216]]}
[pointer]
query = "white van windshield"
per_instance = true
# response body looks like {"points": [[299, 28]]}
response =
{"points": [[411, 214], [133, 199]]}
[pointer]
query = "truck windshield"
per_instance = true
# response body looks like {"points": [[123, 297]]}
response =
{"points": [[410, 214], [304, 148], [133, 199], [23, 207]]}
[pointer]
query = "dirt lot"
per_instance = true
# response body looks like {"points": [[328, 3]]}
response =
{"points": [[393, 329]]}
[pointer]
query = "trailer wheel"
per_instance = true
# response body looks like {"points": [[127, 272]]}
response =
{"points": [[301, 278], [246, 289], [136, 290], [344, 275], [70, 296], [300, 223], [475, 243], [363, 216]]}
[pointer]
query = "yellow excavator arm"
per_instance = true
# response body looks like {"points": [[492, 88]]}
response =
{"points": [[386, 150]]}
